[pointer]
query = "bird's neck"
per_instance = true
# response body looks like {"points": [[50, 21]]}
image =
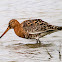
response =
{"points": [[19, 31]]}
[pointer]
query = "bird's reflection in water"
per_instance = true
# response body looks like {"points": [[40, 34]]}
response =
{"points": [[35, 45]]}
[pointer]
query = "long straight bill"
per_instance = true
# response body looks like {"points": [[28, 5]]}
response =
{"points": [[5, 31]]}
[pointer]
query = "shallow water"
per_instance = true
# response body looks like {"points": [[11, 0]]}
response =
{"points": [[15, 49]]}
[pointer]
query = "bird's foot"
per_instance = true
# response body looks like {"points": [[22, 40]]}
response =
{"points": [[38, 41]]}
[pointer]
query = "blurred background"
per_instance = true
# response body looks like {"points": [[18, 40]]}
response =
{"points": [[15, 49]]}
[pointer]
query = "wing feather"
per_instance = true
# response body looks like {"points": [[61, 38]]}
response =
{"points": [[37, 26]]}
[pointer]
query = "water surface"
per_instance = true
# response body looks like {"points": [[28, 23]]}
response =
{"points": [[15, 49]]}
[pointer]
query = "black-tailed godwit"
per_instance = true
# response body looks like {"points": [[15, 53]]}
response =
{"points": [[31, 29]]}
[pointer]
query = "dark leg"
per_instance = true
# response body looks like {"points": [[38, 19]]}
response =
{"points": [[38, 41]]}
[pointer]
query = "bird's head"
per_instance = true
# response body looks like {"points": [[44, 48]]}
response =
{"points": [[12, 24]]}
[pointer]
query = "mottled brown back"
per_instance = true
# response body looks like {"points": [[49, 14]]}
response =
{"points": [[38, 28], [37, 25]]}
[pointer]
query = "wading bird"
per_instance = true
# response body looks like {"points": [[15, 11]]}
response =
{"points": [[31, 29]]}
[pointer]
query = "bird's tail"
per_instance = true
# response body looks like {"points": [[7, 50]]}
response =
{"points": [[59, 28]]}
